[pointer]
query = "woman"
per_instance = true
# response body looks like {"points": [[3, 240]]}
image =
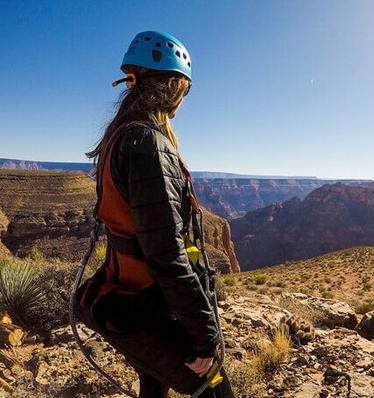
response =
{"points": [[146, 299]]}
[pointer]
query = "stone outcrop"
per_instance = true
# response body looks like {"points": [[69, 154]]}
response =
{"points": [[49, 210], [332, 313], [366, 326], [220, 248], [52, 211], [331, 218]]}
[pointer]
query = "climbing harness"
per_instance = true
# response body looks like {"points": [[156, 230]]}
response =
{"points": [[213, 376]]}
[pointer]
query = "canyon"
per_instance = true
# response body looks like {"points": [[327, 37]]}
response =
{"points": [[331, 218]]}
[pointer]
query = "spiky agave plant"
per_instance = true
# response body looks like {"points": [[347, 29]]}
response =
{"points": [[19, 290]]}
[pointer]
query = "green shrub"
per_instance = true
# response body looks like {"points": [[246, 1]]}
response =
{"points": [[229, 280], [57, 279], [327, 295], [35, 254], [20, 291], [366, 286], [260, 279], [220, 288], [364, 307]]}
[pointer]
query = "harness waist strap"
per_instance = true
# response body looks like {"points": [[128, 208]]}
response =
{"points": [[125, 245]]}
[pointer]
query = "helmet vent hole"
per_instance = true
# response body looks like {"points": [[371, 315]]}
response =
{"points": [[178, 54], [170, 45], [184, 56], [147, 38], [136, 41], [157, 55], [189, 64], [158, 44]]}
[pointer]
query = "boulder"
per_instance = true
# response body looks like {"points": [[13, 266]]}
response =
{"points": [[366, 327], [330, 313]]}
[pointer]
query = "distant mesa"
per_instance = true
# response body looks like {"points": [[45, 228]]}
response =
{"points": [[228, 195], [16, 164]]}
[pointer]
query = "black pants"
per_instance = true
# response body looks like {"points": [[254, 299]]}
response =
{"points": [[152, 388], [157, 351], [159, 361]]}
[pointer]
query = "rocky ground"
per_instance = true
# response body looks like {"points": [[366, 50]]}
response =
{"points": [[336, 361], [325, 304]]}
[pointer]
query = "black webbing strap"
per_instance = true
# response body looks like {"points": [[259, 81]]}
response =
{"points": [[125, 245]]}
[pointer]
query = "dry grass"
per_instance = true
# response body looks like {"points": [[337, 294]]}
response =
{"points": [[305, 312], [346, 275], [245, 381], [270, 354]]}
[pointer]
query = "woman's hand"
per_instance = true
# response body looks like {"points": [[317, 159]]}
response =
{"points": [[200, 365]]}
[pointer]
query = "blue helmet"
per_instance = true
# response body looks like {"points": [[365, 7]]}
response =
{"points": [[158, 51]]}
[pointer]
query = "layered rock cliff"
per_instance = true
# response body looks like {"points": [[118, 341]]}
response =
{"points": [[220, 248], [232, 198], [331, 218], [52, 211]]}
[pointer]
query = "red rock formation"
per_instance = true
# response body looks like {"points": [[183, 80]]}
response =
{"points": [[331, 218], [218, 235], [232, 198]]}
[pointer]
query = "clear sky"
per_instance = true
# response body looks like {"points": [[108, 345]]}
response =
{"points": [[280, 87]]}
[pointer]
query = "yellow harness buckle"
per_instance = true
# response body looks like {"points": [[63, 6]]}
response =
{"points": [[217, 378], [192, 250]]}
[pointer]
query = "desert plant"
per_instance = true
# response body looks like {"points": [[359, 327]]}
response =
{"points": [[300, 330], [20, 291], [244, 378], [366, 286], [270, 354], [328, 295], [57, 280], [220, 288], [35, 254], [363, 307], [304, 311], [229, 280], [260, 279]]}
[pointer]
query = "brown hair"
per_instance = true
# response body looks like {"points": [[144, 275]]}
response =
{"points": [[149, 102]]}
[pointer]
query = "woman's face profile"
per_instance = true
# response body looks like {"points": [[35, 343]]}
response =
{"points": [[174, 111]]}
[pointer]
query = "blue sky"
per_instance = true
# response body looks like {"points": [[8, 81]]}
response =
{"points": [[280, 87]]}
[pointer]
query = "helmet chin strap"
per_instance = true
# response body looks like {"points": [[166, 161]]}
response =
{"points": [[130, 80]]}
